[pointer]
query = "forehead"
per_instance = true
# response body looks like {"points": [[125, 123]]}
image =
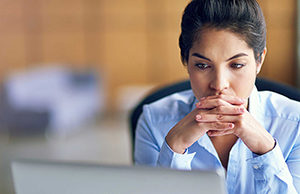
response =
{"points": [[211, 41]]}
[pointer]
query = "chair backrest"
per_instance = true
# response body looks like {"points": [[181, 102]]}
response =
{"points": [[261, 84]]}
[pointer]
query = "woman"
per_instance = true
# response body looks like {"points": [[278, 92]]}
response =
{"points": [[224, 122]]}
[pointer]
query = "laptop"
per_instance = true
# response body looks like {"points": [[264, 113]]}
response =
{"points": [[52, 177]]}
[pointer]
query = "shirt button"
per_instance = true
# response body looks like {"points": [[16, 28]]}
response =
{"points": [[255, 166]]}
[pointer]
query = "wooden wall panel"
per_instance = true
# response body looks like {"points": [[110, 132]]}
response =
{"points": [[124, 45], [280, 63], [157, 61], [12, 37], [124, 61], [163, 28], [62, 7], [11, 8], [127, 41], [12, 52], [64, 47], [116, 7], [176, 70]]}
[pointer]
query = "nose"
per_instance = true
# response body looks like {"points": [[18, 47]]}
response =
{"points": [[219, 81]]}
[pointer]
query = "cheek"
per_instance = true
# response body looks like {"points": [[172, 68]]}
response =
{"points": [[197, 79], [199, 84], [244, 84]]}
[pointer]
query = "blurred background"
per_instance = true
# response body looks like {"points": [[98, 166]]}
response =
{"points": [[71, 71]]}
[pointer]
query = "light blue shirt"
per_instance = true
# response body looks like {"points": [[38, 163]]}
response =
{"points": [[277, 171]]}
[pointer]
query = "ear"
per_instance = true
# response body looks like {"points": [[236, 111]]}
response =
{"points": [[262, 58]]}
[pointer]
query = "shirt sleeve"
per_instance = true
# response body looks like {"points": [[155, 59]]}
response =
{"points": [[149, 152], [272, 174], [170, 159], [146, 148]]}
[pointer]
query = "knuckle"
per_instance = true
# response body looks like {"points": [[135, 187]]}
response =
{"points": [[242, 123], [241, 118], [219, 108], [217, 125], [221, 96], [199, 124], [220, 117], [198, 112], [219, 102], [214, 125], [237, 109]]}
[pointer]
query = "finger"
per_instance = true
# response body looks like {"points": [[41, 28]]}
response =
{"points": [[214, 133], [225, 96], [211, 103], [226, 110], [235, 100], [208, 118], [216, 126]]}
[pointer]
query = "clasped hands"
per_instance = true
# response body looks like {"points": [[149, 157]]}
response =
{"points": [[220, 115]]}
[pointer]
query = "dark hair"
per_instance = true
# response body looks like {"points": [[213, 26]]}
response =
{"points": [[243, 17]]}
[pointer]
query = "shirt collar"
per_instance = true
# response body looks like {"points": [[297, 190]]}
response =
{"points": [[255, 106], [195, 101]]}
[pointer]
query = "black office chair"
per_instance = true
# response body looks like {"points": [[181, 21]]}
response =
{"points": [[261, 84]]}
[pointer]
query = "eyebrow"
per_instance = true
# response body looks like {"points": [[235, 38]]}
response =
{"points": [[200, 56], [235, 56]]}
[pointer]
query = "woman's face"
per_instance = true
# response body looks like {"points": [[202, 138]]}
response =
{"points": [[220, 62]]}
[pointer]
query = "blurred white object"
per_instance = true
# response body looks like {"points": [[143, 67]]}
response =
{"points": [[72, 98]]}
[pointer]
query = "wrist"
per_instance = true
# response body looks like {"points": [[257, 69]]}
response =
{"points": [[174, 145], [258, 143], [267, 146]]}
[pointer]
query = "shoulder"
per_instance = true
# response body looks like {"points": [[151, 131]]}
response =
{"points": [[277, 105], [173, 106]]}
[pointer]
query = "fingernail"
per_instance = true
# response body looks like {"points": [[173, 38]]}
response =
{"points": [[231, 125], [202, 98], [198, 117]]}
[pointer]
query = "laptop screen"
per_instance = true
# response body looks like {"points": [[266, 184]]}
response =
{"points": [[49, 177]]}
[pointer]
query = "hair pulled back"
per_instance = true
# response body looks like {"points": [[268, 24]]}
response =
{"points": [[243, 17]]}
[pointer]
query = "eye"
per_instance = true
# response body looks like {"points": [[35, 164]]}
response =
{"points": [[237, 65], [202, 66]]}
